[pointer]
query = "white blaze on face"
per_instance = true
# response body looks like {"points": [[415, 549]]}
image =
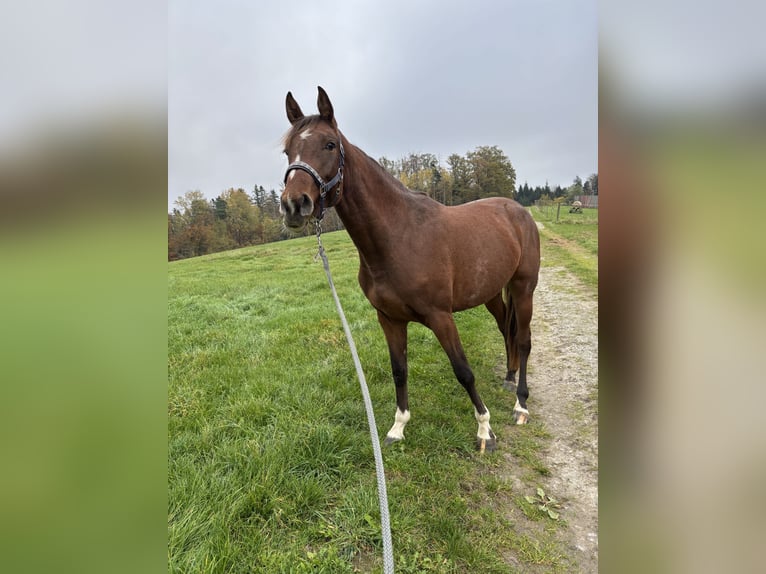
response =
{"points": [[484, 428], [401, 419], [292, 173], [306, 134]]}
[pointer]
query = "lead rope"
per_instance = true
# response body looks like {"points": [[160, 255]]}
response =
{"points": [[385, 525]]}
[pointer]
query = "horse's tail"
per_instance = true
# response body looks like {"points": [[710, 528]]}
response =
{"points": [[511, 328]]}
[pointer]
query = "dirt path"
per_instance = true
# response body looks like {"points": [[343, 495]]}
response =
{"points": [[565, 380], [564, 396]]}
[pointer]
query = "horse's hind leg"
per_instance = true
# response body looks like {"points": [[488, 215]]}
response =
{"points": [[506, 322], [522, 303], [443, 326]]}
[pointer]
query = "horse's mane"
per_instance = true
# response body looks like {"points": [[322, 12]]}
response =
{"points": [[403, 188]]}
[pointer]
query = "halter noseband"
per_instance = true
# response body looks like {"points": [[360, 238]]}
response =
{"points": [[323, 186]]}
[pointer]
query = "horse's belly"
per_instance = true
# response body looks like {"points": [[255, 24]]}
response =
{"points": [[410, 299], [479, 278], [475, 293]]}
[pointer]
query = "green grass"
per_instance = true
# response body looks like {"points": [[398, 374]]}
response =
{"points": [[570, 242], [270, 464]]}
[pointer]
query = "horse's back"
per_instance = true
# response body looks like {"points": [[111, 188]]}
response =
{"points": [[497, 221], [491, 241]]}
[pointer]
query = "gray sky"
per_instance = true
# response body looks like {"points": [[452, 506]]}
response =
{"points": [[434, 76]]}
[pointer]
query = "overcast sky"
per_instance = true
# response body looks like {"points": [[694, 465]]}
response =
{"points": [[434, 76]]}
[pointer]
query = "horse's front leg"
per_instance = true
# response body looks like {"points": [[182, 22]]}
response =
{"points": [[396, 337]]}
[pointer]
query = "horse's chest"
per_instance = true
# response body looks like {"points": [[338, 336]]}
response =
{"points": [[382, 296], [386, 298]]}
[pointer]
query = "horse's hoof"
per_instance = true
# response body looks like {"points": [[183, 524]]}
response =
{"points": [[390, 440], [509, 386], [486, 445], [520, 416]]}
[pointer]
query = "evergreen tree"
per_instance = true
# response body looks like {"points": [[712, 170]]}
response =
{"points": [[219, 207]]}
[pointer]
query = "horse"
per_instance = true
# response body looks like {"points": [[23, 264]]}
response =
{"points": [[419, 261]]}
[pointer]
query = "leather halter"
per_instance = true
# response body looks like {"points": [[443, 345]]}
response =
{"points": [[323, 186]]}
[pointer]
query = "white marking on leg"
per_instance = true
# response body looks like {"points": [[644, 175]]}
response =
{"points": [[484, 428], [400, 420], [522, 414], [306, 135], [292, 173]]}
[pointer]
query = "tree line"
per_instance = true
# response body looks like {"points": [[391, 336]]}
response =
{"points": [[527, 195], [236, 218]]}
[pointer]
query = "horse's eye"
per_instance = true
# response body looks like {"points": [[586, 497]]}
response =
{"points": [[330, 146]]}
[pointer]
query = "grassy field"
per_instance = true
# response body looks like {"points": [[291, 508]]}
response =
{"points": [[270, 466], [571, 242]]}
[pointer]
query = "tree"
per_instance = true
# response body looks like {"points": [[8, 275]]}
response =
{"points": [[492, 172], [575, 189], [525, 195], [593, 181], [198, 226], [389, 165], [219, 207], [259, 196], [272, 205], [421, 172], [186, 201], [417, 181], [191, 226], [196, 239], [242, 221], [174, 233], [461, 178], [441, 185], [415, 163], [221, 240]]}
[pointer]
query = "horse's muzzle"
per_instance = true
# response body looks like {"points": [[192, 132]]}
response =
{"points": [[296, 213]]}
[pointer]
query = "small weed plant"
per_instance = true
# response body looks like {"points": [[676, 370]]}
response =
{"points": [[545, 502]]}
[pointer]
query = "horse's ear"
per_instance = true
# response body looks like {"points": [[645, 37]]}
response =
{"points": [[294, 112], [324, 106]]}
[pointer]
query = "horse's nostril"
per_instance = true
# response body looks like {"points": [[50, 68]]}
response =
{"points": [[297, 207], [307, 205], [291, 207]]}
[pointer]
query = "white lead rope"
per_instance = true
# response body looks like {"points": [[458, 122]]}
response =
{"points": [[385, 525]]}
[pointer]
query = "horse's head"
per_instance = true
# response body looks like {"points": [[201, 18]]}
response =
{"points": [[314, 178]]}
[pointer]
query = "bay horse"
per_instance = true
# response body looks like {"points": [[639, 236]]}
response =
{"points": [[418, 259]]}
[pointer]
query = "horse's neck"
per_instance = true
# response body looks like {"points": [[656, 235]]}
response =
{"points": [[374, 204]]}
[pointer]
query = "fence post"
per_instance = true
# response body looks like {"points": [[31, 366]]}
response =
{"points": [[558, 209]]}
